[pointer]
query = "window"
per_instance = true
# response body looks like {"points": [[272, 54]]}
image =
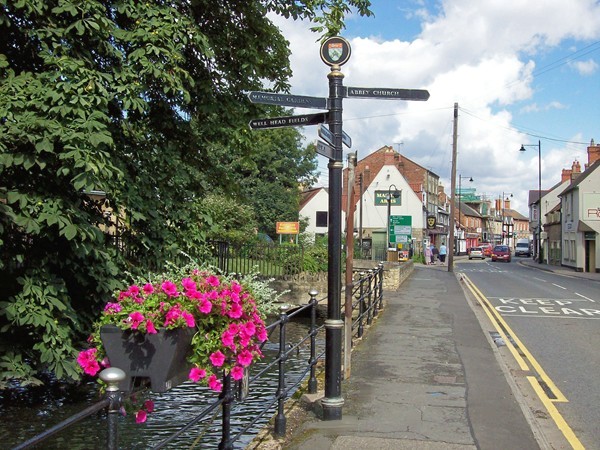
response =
{"points": [[322, 219]]}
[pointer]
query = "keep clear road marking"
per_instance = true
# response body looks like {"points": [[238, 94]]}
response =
{"points": [[544, 307], [503, 329]]}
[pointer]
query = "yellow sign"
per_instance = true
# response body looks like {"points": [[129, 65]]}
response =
{"points": [[288, 227]]}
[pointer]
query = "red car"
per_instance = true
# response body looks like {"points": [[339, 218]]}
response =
{"points": [[501, 253], [487, 249]]}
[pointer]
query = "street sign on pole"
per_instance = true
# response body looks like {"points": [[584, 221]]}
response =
{"points": [[295, 101], [327, 135], [289, 121], [387, 93], [325, 150]]}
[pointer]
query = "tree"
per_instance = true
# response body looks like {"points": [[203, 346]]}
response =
{"points": [[111, 113]]}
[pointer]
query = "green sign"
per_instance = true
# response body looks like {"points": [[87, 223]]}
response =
{"points": [[400, 228], [381, 198]]}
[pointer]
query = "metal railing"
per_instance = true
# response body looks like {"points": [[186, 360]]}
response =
{"points": [[368, 301]]}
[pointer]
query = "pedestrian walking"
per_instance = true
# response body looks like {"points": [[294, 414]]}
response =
{"points": [[443, 253], [427, 254], [434, 254]]}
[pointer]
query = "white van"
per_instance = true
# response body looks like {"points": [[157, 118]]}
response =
{"points": [[523, 248]]}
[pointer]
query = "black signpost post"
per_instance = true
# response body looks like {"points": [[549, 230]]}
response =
{"points": [[335, 51]]}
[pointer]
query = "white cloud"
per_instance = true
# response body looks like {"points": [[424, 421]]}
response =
{"points": [[585, 68], [469, 52]]}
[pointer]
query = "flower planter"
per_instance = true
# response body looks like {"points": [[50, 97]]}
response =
{"points": [[161, 357]]}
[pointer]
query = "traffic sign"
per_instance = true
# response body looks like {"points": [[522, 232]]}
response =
{"points": [[296, 101], [289, 121], [387, 93], [325, 150], [325, 133]]}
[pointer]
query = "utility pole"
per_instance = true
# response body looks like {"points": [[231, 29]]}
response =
{"points": [[349, 266], [360, 216], [453, 189]]}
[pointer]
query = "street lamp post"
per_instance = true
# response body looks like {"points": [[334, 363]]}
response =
{"points": [[460, 177], [539, 233], [504, 194], [395, 194]]}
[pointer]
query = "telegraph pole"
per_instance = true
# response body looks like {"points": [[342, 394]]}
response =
{"points": [[453, 189]]}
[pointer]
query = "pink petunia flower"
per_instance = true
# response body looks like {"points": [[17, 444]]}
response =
{"points": [[227, 338], [245, 358], [169, 288], [215, 384], [196, 374], [262, 334], [149, 406], [148, 289], [217, 358], [88, 362], [205, 307], [236, 311], [237, 373], [189, 319], [141, 416], [188, 284], [249, 329], [136, 318], [213, 280], [150, 328], [236, 287], [112, 308]]}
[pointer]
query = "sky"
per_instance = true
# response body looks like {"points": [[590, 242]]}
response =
{"points": [[521, 71]]}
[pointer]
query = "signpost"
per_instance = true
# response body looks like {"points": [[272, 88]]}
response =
{"points": [[335, 51]]}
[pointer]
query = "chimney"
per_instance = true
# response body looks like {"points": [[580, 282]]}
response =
{"points": [[593, 153], [389, 156], [565, 176], [575, 170], [507, 203]]}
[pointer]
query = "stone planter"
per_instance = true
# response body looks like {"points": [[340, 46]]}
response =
{"points": [[160, 357]]}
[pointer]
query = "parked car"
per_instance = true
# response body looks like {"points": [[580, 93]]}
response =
{"points": [[501, 253], [487, 249], [476, 252]]}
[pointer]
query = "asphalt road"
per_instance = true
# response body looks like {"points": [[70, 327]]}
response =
{"points": [[556, 319]]}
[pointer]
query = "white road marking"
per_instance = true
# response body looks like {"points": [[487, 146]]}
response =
{"points": [[587, 298], [559, 286]]}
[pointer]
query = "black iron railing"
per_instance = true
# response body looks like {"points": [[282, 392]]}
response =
{"points": [[367, 302]]}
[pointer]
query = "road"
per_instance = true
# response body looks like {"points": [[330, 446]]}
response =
{"points": [[555, 322]]}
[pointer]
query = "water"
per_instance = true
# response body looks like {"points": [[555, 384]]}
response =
{"points": [[174, 409]]}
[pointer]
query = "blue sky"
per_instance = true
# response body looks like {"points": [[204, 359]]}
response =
{"points": [[519, 70]]}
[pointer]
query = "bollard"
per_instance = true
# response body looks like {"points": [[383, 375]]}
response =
{"points": [[280, 420], [312, 381], [112, 377]]}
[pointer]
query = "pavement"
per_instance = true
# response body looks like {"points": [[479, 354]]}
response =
{"points": [[427, 376]]}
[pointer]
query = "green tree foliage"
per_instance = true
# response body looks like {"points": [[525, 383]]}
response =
{"points": [[113, 115]]}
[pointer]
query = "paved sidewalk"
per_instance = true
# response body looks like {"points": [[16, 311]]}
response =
{"points": [[424, 377]]}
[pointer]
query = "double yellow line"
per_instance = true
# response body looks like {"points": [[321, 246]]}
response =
{"points": [[522, 357]]}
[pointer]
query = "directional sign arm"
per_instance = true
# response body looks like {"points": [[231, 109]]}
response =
{"points": [[387, 93], [289, 121], [295, 101]]}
